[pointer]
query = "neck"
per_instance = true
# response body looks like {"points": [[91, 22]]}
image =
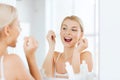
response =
{"points": [[68, 52], [3, 48]]}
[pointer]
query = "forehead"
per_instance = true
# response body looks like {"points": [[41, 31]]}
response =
{"points": [[71, 23]]}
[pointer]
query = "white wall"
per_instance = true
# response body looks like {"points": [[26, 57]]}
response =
{"points": [[38, 28], [109, 40]]}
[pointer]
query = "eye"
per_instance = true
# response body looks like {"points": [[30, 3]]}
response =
{"points": [[74, 29], [64, 28]]}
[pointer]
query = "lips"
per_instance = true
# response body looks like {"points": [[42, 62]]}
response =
{"points": [[67, 39]]}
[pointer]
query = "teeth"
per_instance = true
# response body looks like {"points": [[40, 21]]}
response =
{"points": [[67, 38]]}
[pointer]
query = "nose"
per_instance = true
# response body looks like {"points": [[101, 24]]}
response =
{"points": [[68, 32]]}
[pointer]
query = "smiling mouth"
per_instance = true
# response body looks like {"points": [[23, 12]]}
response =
{"points": [[67, 39]]}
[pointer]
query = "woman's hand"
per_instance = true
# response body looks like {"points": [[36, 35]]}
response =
{"points": [[81, 45], [51, 40], [30, 46]]}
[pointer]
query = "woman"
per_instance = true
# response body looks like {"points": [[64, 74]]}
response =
{"points": [[12, 68], [71, 33]]}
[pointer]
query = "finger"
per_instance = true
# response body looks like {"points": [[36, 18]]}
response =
{"points": [[34, 42], [50, 34], [79, 42], [29, 41], [53, 36], [25, 41], [85, 41]]}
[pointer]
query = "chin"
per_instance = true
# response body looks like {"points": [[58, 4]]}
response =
{"points": [[68, 45], [13, 45]]}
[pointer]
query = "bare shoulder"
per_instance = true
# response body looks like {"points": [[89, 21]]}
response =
{"points": [[13, 60], [13, 64]]}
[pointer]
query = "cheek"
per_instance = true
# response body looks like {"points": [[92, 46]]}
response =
{"points": [[62, 33], [17, 30], [62, 36], [77, 36], [16, 34]]}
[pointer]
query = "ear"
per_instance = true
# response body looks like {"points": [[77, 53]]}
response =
{"points": [[6, 30]]}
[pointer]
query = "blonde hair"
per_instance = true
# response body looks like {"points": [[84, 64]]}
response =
{"points": [[74, 18], [8, 14]]}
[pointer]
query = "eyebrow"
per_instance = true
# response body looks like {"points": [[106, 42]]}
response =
{"points": [[64, 25], [74, 27]]}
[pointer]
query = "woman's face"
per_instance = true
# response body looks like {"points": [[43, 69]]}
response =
{"points": [[70, 33], [14, 33]]}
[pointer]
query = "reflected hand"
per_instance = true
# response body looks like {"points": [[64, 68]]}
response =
{"points": [[82, 45], [51, 39]]}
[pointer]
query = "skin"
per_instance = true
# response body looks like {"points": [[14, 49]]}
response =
{"points": [[74, 49], [14, 68]]}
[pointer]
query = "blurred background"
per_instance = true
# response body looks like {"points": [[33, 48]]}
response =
{"points": [[37, 17]]}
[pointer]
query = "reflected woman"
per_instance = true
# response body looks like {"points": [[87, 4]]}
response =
{"points": [[11, 66], [74, 52]]}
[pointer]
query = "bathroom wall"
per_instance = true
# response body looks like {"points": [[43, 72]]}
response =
{"points": [[109, 57], [32, 12]]}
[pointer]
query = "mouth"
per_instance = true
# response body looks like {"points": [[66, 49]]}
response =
{"points": [[67, 39]]}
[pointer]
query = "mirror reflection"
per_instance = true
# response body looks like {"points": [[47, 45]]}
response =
{"points": [[39, 16]]}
